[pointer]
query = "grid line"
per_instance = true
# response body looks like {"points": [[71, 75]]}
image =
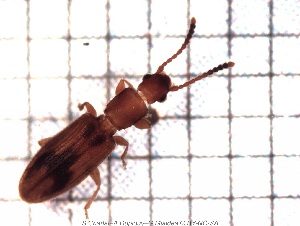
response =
{"points": [[271, 113]]}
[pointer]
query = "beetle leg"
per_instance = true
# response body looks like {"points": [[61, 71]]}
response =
{"points": [[143, 123], [42, 142], [95, 175], [121, 141], [89, 108], [121, 86]]}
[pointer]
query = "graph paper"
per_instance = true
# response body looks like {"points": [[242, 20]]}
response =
{"points": [[225, 151]]}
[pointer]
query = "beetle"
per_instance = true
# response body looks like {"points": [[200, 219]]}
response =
{"points": [[73, 154]]}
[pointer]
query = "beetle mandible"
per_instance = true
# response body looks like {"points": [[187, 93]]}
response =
{"points": [[73, 154]]}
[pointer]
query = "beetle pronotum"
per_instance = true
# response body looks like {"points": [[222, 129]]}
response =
{"points": [[67, 158]]}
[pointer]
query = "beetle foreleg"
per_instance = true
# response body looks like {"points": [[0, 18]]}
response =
{"points": [[121, 141], [143, 123], [89, 108], [42, 142], [121, 86], [95, 175]]}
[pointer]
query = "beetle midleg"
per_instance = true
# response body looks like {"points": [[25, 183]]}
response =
{"points": [[89, 108], [121, 86], [121, 141], [42, 142], [95, 175]]}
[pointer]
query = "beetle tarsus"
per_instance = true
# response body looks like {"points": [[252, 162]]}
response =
{"points": [[121, 141]]}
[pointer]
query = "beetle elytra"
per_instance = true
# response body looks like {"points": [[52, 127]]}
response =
{"points": [[73, 154]]}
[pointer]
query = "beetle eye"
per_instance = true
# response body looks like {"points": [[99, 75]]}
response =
{"points": [[146, 76]]}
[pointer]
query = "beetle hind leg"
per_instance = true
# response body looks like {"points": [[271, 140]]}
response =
{"points": [[121, 141], [95, 175]]}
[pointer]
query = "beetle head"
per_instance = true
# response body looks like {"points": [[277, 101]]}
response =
{"points": [[155, 87]]}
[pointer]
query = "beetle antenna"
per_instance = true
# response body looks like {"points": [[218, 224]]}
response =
{"points": [[185, 43], [204, 75]]}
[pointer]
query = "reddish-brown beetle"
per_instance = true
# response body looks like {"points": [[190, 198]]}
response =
{"points": [[67, 158]]}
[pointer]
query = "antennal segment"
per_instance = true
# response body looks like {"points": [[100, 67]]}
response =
{"points": [[199, 77], [185, 43]]}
